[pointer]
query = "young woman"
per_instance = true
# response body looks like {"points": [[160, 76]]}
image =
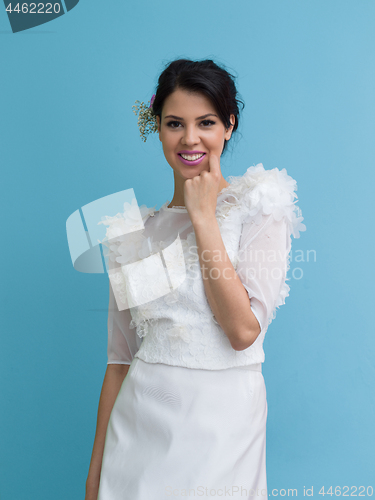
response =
{"points": [[183, 406]]}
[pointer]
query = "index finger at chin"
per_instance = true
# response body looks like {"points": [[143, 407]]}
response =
{"points": [[214, 161], [217, 163]]}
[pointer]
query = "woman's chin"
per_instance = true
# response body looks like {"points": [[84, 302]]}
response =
{"points": [[192, 172], [187, 172]]}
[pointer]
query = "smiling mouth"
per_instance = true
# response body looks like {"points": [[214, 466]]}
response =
{"points": [[191, 157]]}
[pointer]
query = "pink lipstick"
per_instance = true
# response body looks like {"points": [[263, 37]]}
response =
{"points": [[191, 153]]}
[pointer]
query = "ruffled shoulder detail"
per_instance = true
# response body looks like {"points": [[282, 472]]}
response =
{"points": [[261, 191], [124, 240], [125, 228]]}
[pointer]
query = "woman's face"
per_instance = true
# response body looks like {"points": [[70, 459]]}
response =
{"points": [[190, 126]]}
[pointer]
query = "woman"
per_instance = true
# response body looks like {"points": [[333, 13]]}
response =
{"points": [[183, 406]]}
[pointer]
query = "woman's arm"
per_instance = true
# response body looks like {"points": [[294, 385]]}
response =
{"points": [[260, 275], [113, 379], [225, 292]]}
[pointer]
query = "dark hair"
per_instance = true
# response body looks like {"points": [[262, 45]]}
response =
{"points": [[204, 77]]}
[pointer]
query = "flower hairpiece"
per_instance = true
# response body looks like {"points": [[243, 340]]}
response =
{"points": [[146, 119]]}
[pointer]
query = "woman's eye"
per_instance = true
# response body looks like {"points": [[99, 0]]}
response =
{"points": [[208, 122], [175, 124], [171, 124]]}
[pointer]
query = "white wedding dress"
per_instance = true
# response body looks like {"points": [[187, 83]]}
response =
{"points": [[190, 416]]}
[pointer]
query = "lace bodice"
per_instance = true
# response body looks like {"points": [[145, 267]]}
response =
{"points": [[158, 309]]}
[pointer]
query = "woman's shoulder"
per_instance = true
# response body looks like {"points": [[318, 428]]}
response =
{"points": [[125, 228], [261, 192], [131, 219]]}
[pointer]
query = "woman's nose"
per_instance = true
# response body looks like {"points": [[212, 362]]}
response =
{"points": [[191, 136]]}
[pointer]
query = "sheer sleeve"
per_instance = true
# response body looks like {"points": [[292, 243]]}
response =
{"points": [[123, 341], [263, 265], [266, 201], [123, 235]]}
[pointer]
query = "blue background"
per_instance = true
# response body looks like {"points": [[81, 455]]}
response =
{"points": [[306, 72]]}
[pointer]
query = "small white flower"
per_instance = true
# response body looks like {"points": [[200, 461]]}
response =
{"points": [[146, 119]]}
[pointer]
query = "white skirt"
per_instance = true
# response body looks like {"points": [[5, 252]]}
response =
{"points": [[182, 432]]}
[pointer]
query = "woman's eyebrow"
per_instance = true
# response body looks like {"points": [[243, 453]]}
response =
{"points": [[199, 117]]}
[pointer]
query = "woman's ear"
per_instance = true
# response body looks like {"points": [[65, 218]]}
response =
{"points": [[158, 122], [229, 131]]}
